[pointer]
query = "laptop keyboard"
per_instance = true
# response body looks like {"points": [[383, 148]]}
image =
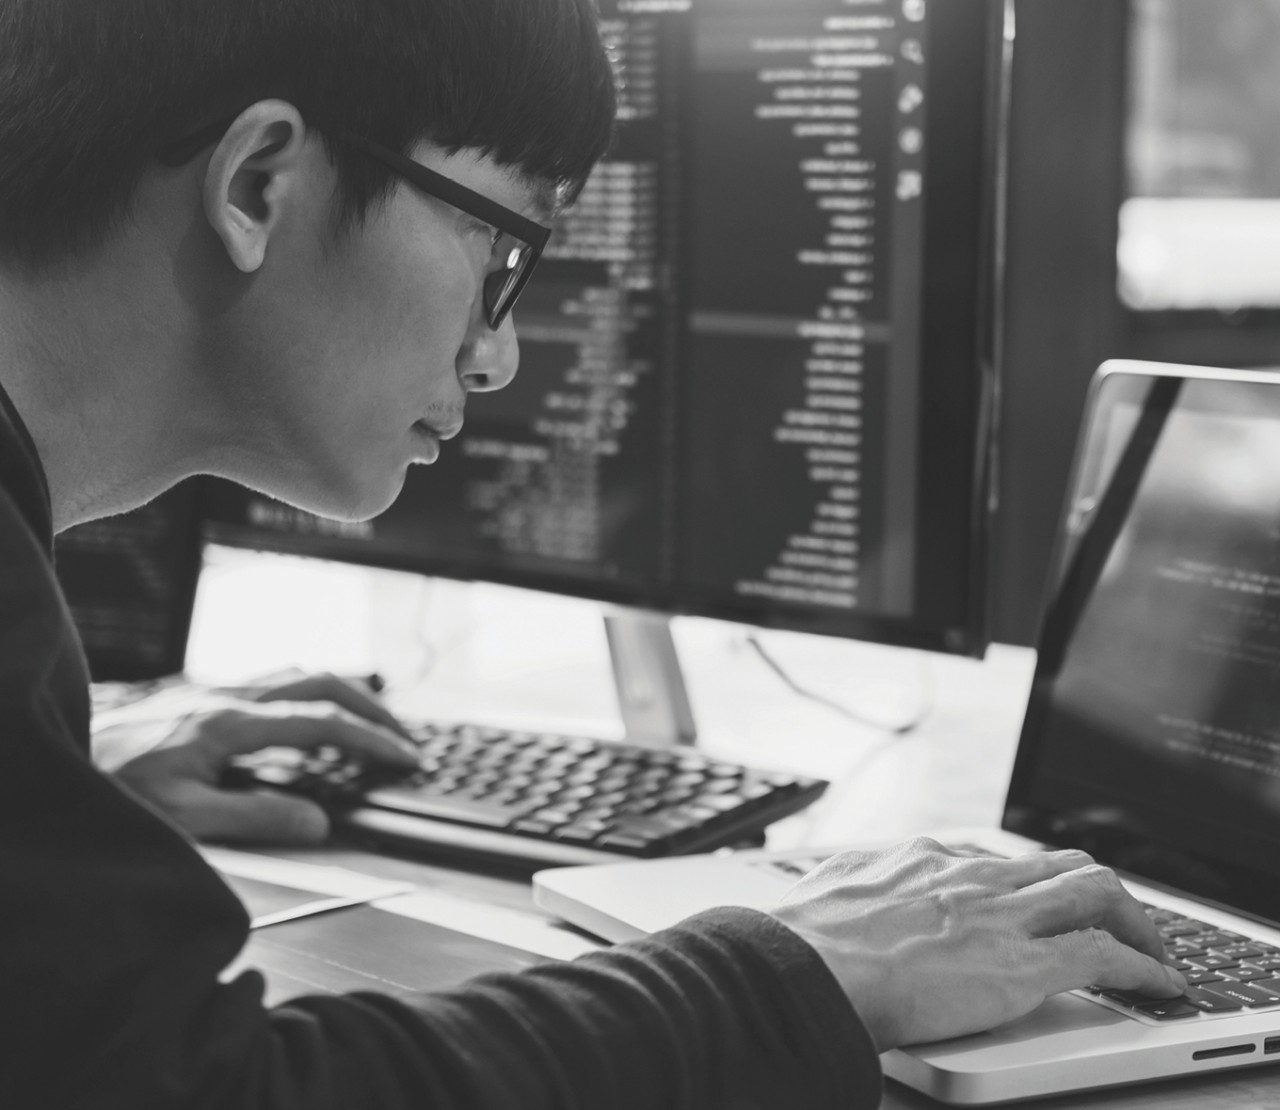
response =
{"points": [[1226, 971], [561, 793]]}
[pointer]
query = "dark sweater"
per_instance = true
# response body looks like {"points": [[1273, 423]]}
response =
{"points": [[114, 932]]}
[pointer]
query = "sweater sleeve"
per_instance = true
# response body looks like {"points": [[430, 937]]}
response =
{"points": [[726, 1010]]}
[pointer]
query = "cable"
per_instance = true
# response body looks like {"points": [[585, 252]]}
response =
{"points": [[901, 729]]}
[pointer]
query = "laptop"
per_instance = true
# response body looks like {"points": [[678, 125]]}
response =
{"points": [[1151, 740]]}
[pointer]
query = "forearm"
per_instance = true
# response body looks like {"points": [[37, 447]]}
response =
{"points": [[730, 1010]]}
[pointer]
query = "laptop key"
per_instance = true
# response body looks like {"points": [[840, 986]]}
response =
{"points": [[1212, 962], [1246, 974], [1168, 1009], [1131, 999], [1195, 978], [1239, 951], [1211, 940], [1211, 1003]]}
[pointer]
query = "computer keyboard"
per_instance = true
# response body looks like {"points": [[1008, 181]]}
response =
{"points": [[537, 799], [1226, 971]]}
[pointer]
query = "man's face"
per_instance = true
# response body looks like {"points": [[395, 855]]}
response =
{"points": [[373, 341]]}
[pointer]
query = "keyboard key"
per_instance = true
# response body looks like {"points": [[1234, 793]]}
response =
{"points": [[1168, 1009], [1212, 962], [532, 827], [580, 834], [1197, 977], [654, 827], [552, 817], [1246, 974], [714, 804], [1212, 940], [445, 807], [1239, 951], [625, 842], [1211, 1002], [1129, 998]]}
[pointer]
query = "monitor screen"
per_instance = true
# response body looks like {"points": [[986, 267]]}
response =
{"points": [[1200, 225], [757, 359]]}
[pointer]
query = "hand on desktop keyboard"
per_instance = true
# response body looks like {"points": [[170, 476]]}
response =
{"points": [[189, 736], [539, 798]]}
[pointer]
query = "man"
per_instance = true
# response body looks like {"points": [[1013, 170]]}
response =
{"points": [[215, 256]]}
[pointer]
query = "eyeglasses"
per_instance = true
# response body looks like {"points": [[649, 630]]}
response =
{"points": [[517, 246]]}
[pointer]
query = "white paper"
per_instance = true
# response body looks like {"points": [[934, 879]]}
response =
{"points": [[528, 932], [334, 887]]}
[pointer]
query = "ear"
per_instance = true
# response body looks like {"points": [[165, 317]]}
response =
{"points": [[257, 172]]}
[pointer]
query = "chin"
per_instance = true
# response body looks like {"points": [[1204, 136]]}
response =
{"points": [[365, 503], [348, 498]]}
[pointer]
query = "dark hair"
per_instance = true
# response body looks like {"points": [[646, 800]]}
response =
{"points": [[92, 90]]}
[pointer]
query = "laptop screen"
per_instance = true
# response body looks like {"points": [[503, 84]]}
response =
{"points": [[1152, 736]]}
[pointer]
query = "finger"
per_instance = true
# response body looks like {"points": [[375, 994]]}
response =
{"points": [[1083, 898], [250, 816], [328, 687], [1093, 957], [306, 725]]}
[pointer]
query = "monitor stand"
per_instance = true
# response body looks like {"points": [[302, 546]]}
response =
{"points": [[651, 692]]}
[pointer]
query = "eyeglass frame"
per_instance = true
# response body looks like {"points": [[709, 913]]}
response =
{"points": [[532, 235]]}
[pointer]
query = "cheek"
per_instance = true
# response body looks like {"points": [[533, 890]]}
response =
{"points": [[421, 310]]}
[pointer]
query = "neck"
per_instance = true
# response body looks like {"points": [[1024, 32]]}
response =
{"points": [[88, 358]]}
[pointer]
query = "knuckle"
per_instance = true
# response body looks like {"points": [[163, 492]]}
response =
{"points": [[924, 845], [1101, 947], [1106, 879], [1098, 878]]}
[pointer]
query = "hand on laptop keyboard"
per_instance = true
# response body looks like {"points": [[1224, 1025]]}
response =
{"points": [[929, 943]]}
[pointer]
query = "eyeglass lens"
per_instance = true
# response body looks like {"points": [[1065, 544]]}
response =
{"points": [[501, 285]]}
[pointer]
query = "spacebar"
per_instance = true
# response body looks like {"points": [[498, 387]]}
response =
{"points": [[442, 807]]}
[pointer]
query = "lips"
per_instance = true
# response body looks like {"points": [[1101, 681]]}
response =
{"points": [[441, 431]]}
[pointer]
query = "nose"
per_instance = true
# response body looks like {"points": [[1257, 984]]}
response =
{"points": [[488, 359]]}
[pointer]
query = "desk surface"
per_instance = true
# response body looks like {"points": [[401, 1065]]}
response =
{"points": [[482, 665]]}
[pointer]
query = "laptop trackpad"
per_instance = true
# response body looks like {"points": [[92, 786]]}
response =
{"points": [[1065, 1025]]}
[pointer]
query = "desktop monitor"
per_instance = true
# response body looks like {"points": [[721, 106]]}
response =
{"points": [[759, 358]]}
